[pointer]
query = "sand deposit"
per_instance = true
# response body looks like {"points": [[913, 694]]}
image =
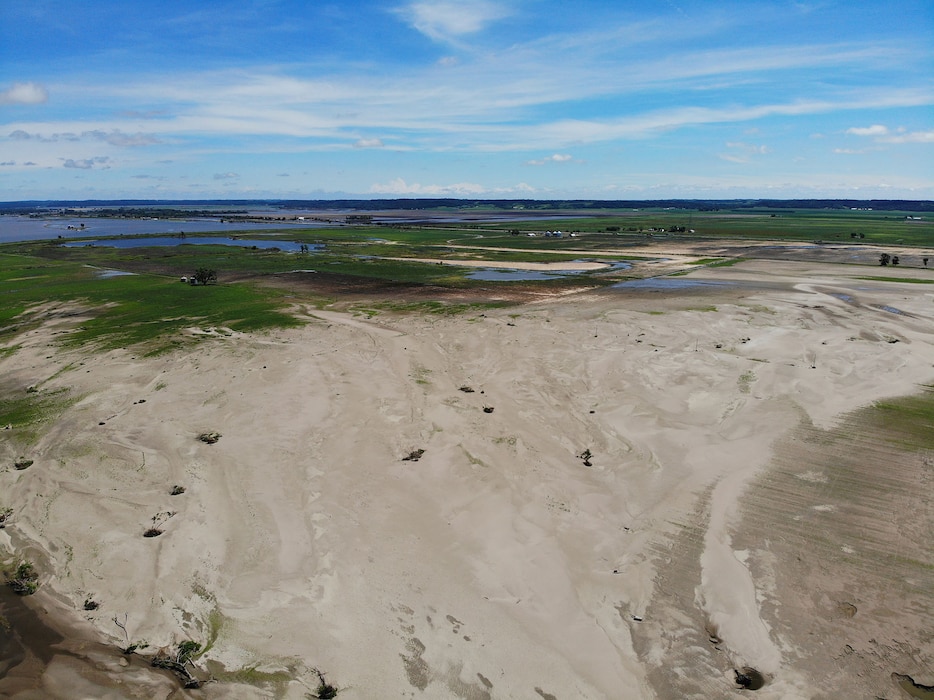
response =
{"points": [[497, 565]]}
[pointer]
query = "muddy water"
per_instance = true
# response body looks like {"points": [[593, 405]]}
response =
{"points": [[914, 689], [37, 661]]}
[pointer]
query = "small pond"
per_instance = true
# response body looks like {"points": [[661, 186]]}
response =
{"points": [[512, 274], [108, 274]]}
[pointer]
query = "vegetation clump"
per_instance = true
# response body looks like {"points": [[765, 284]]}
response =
{"points": [[488, 409], [178, 663], [91, 604], [24, 579], [177, 490], [325, 690], [22, 463], [467, 389], [209, 438], [158, 520], [586, 456], [5, 515], [413, 456]]}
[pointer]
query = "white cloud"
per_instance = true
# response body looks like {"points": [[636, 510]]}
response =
{"points": [[226, 176], [24, 94], [556, 158], [400, 186], [874, 130], [443, 21], [883, 134], [910, 137], [368, 143]]}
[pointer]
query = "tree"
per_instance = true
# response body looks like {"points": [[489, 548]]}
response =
{"points": [[925, 261], [884, 259], [204, 276], [895, 260]]}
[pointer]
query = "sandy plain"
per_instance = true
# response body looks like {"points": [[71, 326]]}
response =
{"points": [[498, 564]]}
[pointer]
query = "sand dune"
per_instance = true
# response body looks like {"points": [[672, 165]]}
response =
{"points": [[497, 565]]}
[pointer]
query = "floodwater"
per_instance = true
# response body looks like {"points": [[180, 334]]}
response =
{"points": [[37, 661], [509, 274], [23, 228], [891, 310], [160, 241]]}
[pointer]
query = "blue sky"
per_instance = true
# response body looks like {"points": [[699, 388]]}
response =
{"points": [[628, 99]]}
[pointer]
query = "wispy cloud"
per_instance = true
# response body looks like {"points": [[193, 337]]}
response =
{"points": [[447, 20], [556, 158], [114, 137], [85, 163], [401, 187], [910, 137], [368, 143], [874, 130], [226, 176], [24, 94], [741, 152], [882, 134]]}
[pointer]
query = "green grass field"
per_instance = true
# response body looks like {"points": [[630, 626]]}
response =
{"points": [[128, 309], [151, 307]]}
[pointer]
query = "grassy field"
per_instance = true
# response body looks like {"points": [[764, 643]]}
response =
{"points": [[882, 227], [151, 306], [127, 309]]}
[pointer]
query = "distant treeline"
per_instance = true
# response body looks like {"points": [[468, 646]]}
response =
{"points": [[190, 205]]}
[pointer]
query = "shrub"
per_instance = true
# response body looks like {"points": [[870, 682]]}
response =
{"points": [[325, 690], [25, 579], [157, 521]]}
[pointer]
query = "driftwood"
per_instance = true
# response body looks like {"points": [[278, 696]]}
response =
{"points": [[179, 664]]}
